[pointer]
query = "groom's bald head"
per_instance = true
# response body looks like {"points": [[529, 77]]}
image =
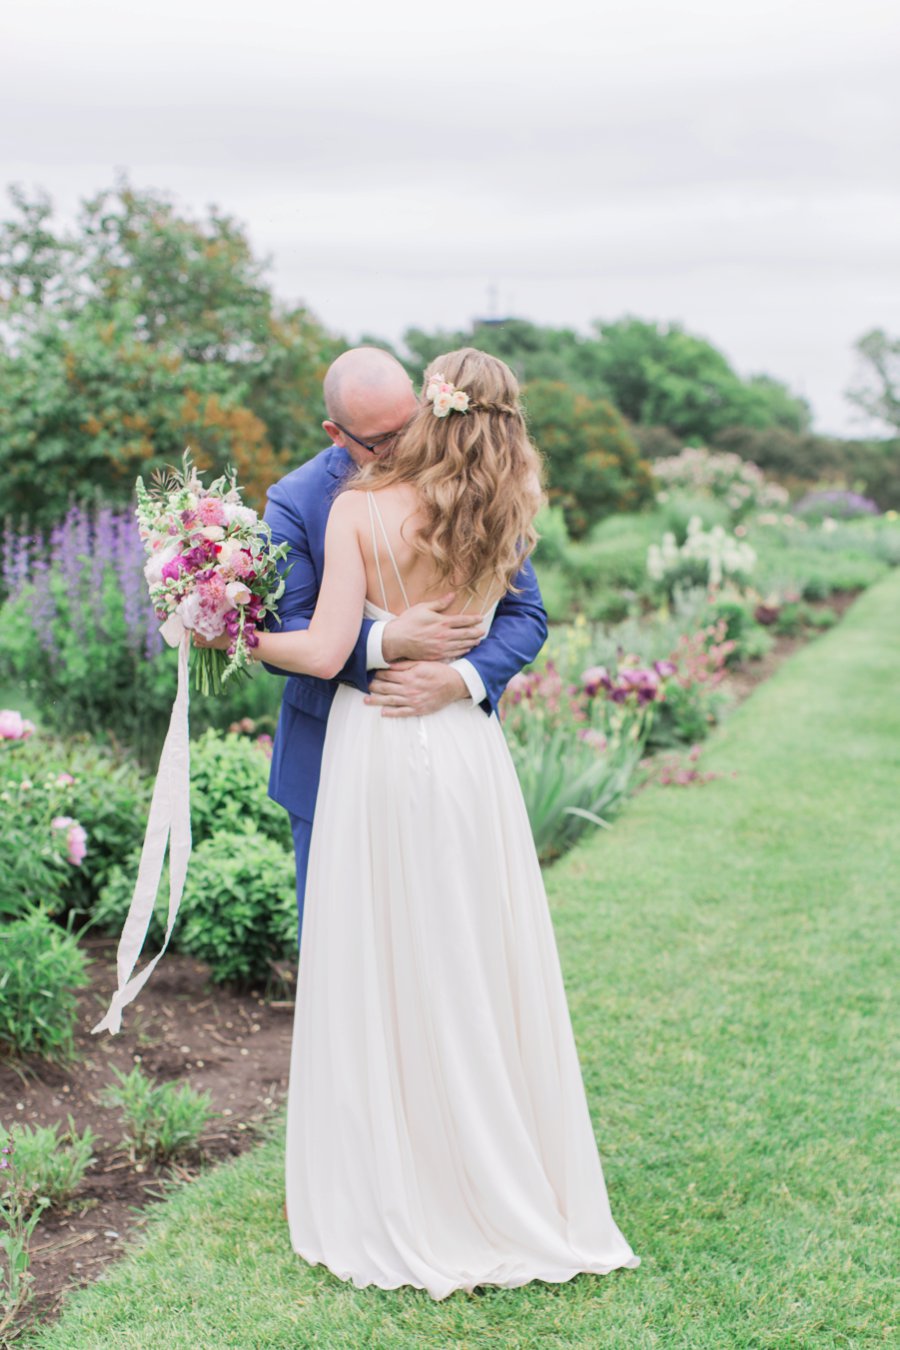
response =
{"points": [[360, 378], [367, 392]]}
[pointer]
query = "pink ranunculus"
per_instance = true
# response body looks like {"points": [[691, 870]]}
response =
{"points": [[64, 779], [13, 726], [212, 511]]}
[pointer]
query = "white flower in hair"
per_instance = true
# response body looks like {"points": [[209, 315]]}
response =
{"points": [[444, 398]]}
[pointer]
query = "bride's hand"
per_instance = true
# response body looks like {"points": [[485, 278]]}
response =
{"points": [[221, 643]]}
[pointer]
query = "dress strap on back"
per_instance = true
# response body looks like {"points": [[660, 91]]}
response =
{"points": [[373, 512]]}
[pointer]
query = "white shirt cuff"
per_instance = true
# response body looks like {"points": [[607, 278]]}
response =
{"points": [[472, 679], [374, 654]]}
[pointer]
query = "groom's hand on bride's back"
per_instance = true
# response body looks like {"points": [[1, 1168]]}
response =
{"points": [[425, 632], [415, 688]]}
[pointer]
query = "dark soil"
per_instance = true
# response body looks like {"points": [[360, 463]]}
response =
{"points": [[236, 1047], [182, 1027]]}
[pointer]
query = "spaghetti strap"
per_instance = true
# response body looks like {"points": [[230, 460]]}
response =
{"points": [[373, 506], [375, 551]]}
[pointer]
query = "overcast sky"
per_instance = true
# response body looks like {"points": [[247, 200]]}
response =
{"points": [[732, 166]]}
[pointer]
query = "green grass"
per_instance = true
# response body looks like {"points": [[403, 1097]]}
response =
{"points": [[726, 950]]}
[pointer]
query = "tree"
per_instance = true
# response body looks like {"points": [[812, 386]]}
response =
{"points": [[594, 466], [879, 397], [533, 352], [139, 333], [659, 375]]}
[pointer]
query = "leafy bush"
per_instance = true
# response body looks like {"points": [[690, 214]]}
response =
{"points": [[705, 557], [49, 1164], [229, 781], [42, 967], [693, 701], [569, 783], [594, 466], [576, 745], [105, 793], [677, 509], [741, 485], [41, 844], [162, 1121], [238, 910]]}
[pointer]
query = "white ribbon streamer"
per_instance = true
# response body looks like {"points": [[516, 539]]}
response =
{"points": [[169, 822]]}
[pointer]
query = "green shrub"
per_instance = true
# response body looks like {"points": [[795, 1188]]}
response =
{"points": [[568, 784], [42, 967], [49, 1164], [240, 906], [757, 643], [816, 587], [677, 508], [229, 782], [161, 1121], [108, 795], [238, 910]]}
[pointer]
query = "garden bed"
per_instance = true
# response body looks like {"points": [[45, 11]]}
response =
{"points": [[236, 1047]]}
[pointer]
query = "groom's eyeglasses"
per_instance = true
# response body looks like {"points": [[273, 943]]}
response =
{"points": [[372, 446]]}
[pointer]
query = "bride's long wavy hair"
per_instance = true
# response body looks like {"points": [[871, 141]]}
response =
{"points": [[477, 475]]}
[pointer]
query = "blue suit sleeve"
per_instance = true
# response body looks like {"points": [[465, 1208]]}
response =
{"points": [[301, 588], [517, 634]]}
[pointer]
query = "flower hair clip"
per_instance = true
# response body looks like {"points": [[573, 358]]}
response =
{"points": [[444, 398]]}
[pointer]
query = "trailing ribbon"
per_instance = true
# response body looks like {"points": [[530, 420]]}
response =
{"points": [[169, 823]]}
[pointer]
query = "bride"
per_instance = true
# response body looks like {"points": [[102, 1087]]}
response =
{"points": [[438, 1132]]}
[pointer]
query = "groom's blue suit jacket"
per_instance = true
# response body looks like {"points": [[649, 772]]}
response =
{"points": [[297, 512]]}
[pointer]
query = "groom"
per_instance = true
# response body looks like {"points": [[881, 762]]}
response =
{"points": [[410, 666]]}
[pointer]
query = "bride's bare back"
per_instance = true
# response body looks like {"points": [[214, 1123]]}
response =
{"points": [[396, 520]]}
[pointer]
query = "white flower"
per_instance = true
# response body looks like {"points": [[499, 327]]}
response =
{"points": [[213, 532], [238, 593], [239, 515], [442, 404], [154, 565], [459, 400]]}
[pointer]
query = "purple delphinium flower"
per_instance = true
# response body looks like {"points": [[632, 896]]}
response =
{"points": [[837, 502]]}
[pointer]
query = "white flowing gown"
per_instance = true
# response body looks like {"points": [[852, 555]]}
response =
{"points": [[438, 1131]]}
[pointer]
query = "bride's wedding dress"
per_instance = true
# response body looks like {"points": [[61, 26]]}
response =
{"points": [[438, 1132]]}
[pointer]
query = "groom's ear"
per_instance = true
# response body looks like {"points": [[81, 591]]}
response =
{"points": [[333, 430]]}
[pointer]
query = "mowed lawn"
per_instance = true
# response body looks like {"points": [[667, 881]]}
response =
{"points": [[727, 950]]}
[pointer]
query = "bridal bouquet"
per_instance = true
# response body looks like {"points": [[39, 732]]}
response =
{"points": [[212, 567]]}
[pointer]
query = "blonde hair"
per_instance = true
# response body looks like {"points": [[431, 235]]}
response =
{"points": [[477, 475]]}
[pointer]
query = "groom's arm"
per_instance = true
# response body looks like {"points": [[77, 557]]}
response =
{"points": [[517, 634], [301, 588]]}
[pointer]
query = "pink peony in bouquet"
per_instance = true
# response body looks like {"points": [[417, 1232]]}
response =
{"points": [[212, 567]]}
